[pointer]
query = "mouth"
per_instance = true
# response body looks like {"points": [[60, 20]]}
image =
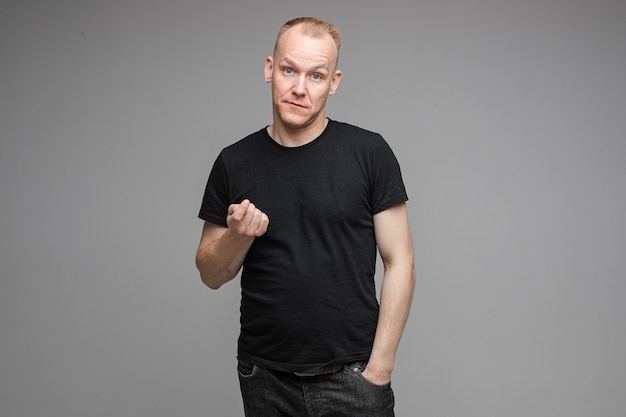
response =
{"points": [[302, 106]]}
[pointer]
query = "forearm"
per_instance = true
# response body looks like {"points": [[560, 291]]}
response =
{"points": [[222, 250], [220, 260], [395, 303]]}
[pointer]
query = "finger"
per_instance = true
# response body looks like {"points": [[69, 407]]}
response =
{"points": [[249, 216], [235, 206], [260, 223], [256, 219], [243, 220], [232, 209], [238, 211], [249, 222], [262, 228]]}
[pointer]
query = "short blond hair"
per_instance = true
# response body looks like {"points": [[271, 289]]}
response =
{"points": [[313, 27]]}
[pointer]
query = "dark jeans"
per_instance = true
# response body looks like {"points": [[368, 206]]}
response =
{"points": [[345, 393]]}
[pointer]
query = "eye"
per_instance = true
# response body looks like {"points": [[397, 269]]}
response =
{"points": [[316, 76], [288, 70]]}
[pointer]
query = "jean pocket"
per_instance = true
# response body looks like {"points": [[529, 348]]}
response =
{"points": [[370, 383], [245, 369], [358, 369]]}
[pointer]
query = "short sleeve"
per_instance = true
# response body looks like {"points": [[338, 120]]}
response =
{"points": [[387, 186], [215, 202]]}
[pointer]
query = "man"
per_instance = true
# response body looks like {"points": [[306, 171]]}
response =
{"points": [[302, 206]]}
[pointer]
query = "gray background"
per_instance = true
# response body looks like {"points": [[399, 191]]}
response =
{"points": [[509, 120]]}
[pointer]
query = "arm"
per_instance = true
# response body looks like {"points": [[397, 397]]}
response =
{"points": [[222, 250], [393, 238]]}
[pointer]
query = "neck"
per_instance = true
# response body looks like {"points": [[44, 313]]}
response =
{"points": [[286, 136]]}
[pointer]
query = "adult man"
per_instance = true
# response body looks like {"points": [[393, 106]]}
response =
{"points": [[313, 339]]}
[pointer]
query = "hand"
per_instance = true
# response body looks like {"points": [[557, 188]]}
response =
{"points": [[376, 377], [247, 220]]}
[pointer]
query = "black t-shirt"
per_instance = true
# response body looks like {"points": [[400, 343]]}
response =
{"points": [[308, 291]]}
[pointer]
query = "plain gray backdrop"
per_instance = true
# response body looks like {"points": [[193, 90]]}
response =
{"points": [[509, 121]]}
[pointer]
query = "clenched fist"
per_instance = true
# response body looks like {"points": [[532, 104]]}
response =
{"points": [[245, 219]]}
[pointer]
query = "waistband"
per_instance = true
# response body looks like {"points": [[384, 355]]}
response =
{"points": [[330, 369], [326, 370]]}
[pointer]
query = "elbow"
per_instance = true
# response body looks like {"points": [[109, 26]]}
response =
{"points": [[215, 280], [211, 284], [212, 275], [206, 277], [209, 280]]}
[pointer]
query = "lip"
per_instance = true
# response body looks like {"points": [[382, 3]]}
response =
{"points": [[291, 103]]}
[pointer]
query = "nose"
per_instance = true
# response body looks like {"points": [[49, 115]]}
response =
{"points": [[299, 86]]}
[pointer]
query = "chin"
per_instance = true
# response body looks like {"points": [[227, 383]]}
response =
{"points": [[294, 121]]}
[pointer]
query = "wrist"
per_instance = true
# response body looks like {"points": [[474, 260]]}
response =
{"points": [[376, 375]]}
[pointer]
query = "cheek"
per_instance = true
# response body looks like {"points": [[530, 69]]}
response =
{"points": [[320, 95], [277, 90], [280, 88]]}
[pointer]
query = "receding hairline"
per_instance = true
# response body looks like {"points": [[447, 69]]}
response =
{"points": [[311, 26]]}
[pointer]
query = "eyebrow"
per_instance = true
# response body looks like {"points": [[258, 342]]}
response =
{"points": [[321, 65]]}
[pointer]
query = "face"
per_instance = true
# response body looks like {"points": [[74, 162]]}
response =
{"points": [[303, 74]]}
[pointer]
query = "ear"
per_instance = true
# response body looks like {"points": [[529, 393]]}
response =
{"points": [[269, 69], [334, 83]]}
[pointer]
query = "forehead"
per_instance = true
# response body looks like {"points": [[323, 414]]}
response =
{"points": [[301, 47]]}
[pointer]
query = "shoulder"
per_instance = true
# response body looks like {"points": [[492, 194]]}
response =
{"points": [[359, 138], [351, 130], [252, 140], [249, 146]]}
